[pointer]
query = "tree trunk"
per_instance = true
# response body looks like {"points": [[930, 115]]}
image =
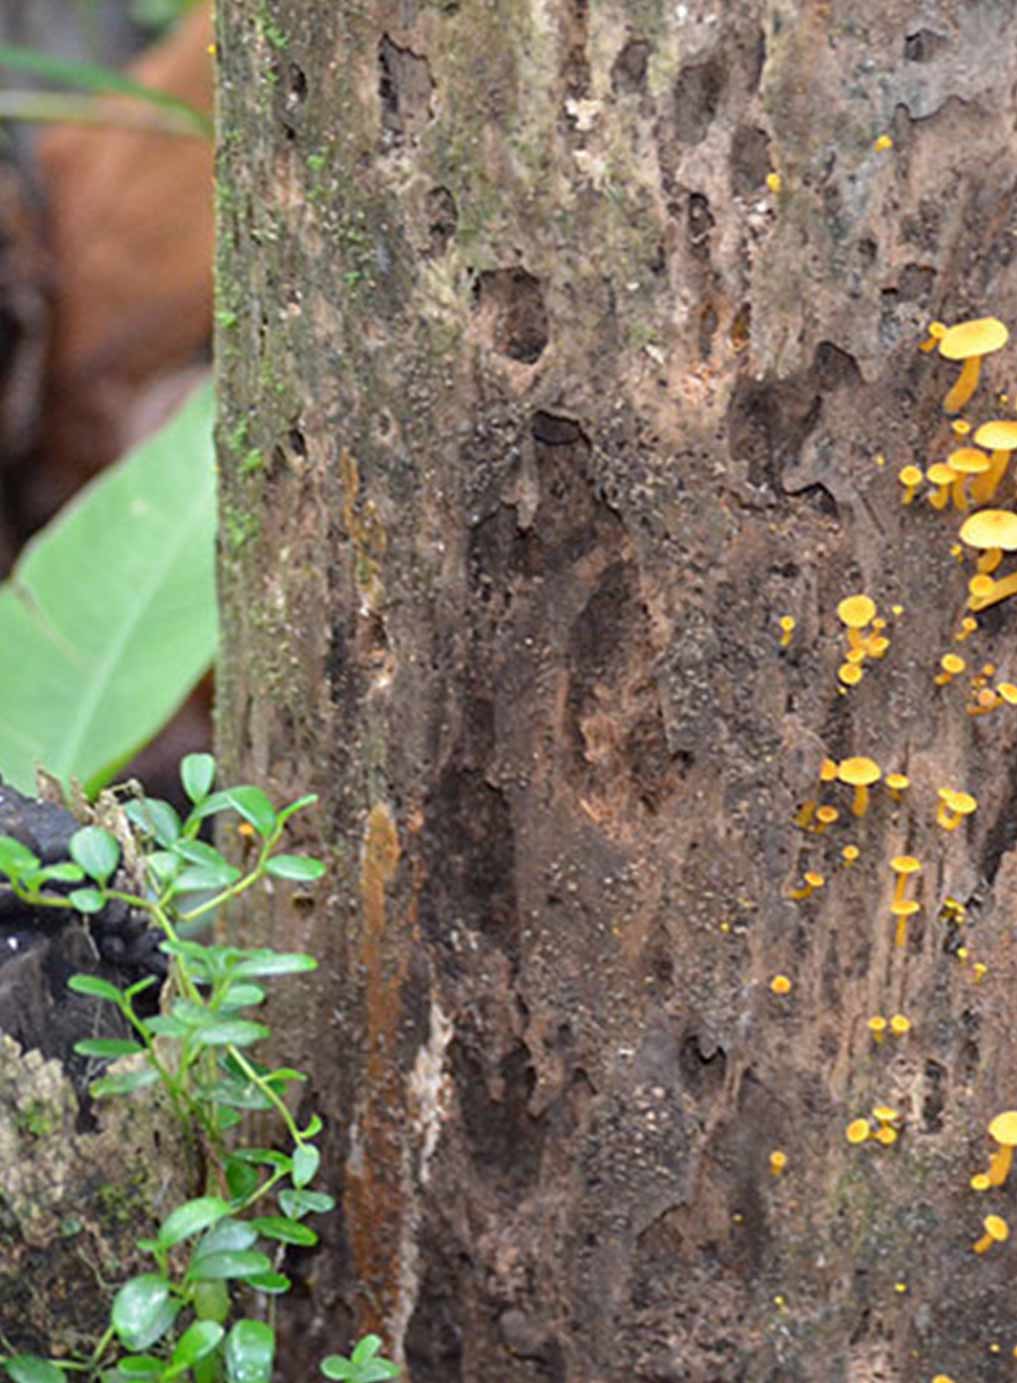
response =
{"points": [[541, 406]]}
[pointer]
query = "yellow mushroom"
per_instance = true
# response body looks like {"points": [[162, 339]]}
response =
{"points": [[991, 532], [1003, 1130], [897, 783], [953, 807], [903, 866], [825, 816], [951, 664], [858, 1131], [860, 773], [877, 1027], [899, 1025], [778, 1161], [813, 880], [780, 984], [902, 911], [965, 463], [857, 613], [937, 330], [1000, 437], [910, 477], [970, 342], [941, 477], [997, 1231]]}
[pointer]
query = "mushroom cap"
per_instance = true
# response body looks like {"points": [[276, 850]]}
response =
{"points": [[815, 879], [850, 674], [897, 781], [877, 1023], [981, 585], [1008, 692], [939, 473], [827, 814], [1004, 1128], [899, 1025], [905, 864], [998, 434], [859, 771], [997, 1228], [977, 337], [856, 611], [907, 907], [912, 475], [828, 771], [990, 528], [858, 1130], [968, 461], [961, 802], [885, 1113], [952, 663]]}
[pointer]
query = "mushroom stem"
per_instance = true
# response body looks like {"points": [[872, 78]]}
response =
{"points": [[1000, 591], [999, 1165], [860, 805], [990, 560], [985, 486], [964, 386], [984, 1243]]}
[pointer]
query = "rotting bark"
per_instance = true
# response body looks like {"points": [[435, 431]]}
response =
{"points": [[539, 408]]}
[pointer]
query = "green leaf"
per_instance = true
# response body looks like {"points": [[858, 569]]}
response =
{"points": [[96, 851], [306, 1160], [241, 1178], [285, 1230], [199, 878], [227, 1236], [298, 806], [191, 1218], [155, 818], [63, 873], [162, 1025], [140, 1366], [111, 609], [211, 1301], [88, 77], [363, 1366], [197, 773], [16, 860], [87, 900], [107, 1047], [123, 1084], [143, 1310], [298, 1203], [254, 806], [197, 1340], [95, 987], [242, 995], [250, 1350], [299, 867], [263, 1157], [29, 1368], [197, 852], [238, 1094], [163, 865], [268, 962], [213, 1267], [273, 1284], [240, 1031]]}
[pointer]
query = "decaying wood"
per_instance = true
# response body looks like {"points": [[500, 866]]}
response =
{"points": [[559, 406]]}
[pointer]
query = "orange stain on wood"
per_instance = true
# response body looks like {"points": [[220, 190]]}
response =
{"points": [[377, 1184]]}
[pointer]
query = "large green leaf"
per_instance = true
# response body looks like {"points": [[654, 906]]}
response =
{"points": [[109, 617]]}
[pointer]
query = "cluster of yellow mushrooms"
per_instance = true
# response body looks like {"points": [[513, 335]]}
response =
{"points": [[968, 482]]}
